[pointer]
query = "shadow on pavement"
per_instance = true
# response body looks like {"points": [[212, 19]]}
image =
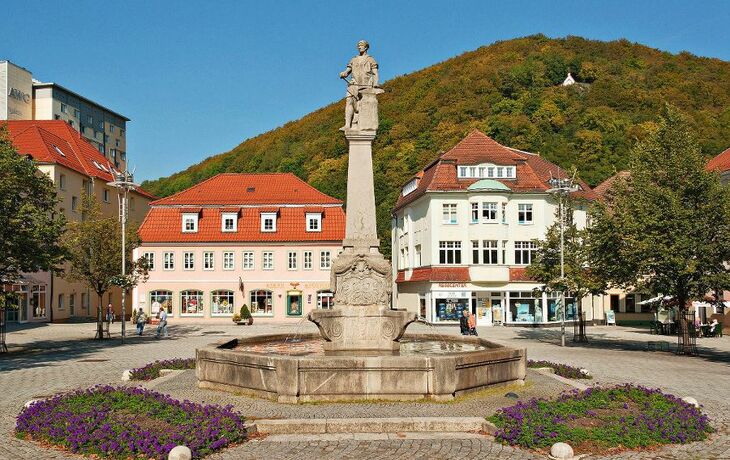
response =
{"points": [[600, 340], [50, 352]]}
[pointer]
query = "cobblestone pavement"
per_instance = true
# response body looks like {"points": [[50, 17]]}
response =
{"points": [[45, 359]]}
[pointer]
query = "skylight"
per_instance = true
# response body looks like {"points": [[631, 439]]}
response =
{"points": [[60, 152], [98, 166]]}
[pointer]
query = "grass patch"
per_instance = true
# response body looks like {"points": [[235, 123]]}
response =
{"points": [[123, 422], [563, 370], [152, 370], [602, 420]]}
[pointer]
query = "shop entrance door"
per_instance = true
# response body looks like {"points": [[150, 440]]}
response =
{"points": [[484, 310]]}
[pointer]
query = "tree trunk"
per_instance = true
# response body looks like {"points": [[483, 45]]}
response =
{"points": [[685, 332], [99, 319]]}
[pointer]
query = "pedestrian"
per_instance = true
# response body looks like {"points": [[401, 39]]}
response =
{"points": [[464, 323], [472, 324], [141, 320], [109, 313], [162, 327]]}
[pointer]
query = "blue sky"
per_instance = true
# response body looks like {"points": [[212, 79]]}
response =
{"points": [[197, 78]]}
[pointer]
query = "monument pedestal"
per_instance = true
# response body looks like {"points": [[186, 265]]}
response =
{"points": [[361, 277]]}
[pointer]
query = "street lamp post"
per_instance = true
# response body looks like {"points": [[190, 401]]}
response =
{"points": [[562, 187], [124, 181]]}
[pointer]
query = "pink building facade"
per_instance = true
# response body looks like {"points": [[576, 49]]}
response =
{"points": [[264, 240]]}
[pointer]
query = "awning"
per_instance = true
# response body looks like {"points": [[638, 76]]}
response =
{"points": [[661, 298]]}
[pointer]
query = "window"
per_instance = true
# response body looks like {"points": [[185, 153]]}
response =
{"points": [[38, 300], [190, 222], [524, 213], [208, 261], [482, 170], [77, 114], [472, 171], [523, 252], [150, 258], [221, 303], [268, 222], [474, 213], [111, 128], [74, 203], [261, 302], [325, 299], [248, 262], [504, 213], [631, 304], [489, 212], [161, 299], [490, 171], [510, 172], [188, 261], [475, 252], [106, 195], [268, 260], [500, 171], [292, 257], [314, 222], [307, 256], [191, 302], [450, 252], [462, 171], [168, 261], [61, 299], [489, 252], [449, 213], [228, 261], [325, 260], [64, 108], [417, 258], [229, 222], [84, 301], [62, 182], [410, 187]]}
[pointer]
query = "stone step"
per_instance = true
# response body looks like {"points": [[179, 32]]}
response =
{"points": [[324, 437], [372, 425]]}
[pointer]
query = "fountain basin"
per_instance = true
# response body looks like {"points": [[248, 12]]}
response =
{"points": [[256, 366]]}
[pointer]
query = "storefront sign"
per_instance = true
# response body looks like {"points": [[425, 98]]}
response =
{"points": [[452, 285]]}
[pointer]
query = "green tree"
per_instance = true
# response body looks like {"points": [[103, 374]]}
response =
{"points": [[30, 226], [666, 228], [94, 247], [579, 280]]}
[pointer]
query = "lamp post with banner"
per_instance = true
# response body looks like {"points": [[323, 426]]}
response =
{"points": [[562, 187], [124, 181]]}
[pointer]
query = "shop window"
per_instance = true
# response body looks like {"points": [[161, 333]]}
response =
{"points": [[450, 309], [160, 299], [38, 301], [523, 309], [294, 303], [555, 311], [261, 302], [191, 302], [325, 299], [222, 303]]}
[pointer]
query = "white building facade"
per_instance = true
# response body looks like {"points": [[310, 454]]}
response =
{"points": [[464, 231]]}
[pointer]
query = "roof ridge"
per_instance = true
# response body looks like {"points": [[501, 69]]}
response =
{"points": [[189, 188]]}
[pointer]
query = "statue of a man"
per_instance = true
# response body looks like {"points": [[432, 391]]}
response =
{"points": [[364, 71]]}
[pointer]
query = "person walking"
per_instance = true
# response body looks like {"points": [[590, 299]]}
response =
{"points": [[464, 323], [162, 327], [141, 320], [109, 313], [472, 324]]}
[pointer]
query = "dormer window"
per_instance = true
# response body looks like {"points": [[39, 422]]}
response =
{"points": [[410, 187], [229, 222], [268, 221], [190, 223], [489, 171], [314, 222]]}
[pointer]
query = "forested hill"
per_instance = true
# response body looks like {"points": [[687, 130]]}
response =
{"points": [[511, 91]]}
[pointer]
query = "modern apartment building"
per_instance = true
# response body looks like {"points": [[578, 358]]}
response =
{"points": [[24, 98], [463, 234], [77, 168], [265, 240]]}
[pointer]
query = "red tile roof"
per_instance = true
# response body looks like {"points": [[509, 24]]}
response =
{"points": [[55, 142], [720, 163], [284, 193], [249, 189], [445, 274], [532, 171], [602, 189]]}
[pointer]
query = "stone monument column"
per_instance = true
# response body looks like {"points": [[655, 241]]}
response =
{"points": [[361, 277]]}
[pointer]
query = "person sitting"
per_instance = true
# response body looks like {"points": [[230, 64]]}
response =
{"points": [[464, 323], [472, 324], [713, 327]]}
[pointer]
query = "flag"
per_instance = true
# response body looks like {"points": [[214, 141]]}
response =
{"points": [[240, 285]]}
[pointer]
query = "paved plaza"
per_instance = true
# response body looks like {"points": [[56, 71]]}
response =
{"points": [[45, 359]]}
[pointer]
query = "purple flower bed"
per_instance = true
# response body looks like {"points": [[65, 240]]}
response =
{"points": [[129, 423], [152, 370], [602, 420], [563, 370]]}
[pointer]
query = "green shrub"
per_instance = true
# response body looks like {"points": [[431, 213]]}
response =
{"points": [[245, 314]]}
